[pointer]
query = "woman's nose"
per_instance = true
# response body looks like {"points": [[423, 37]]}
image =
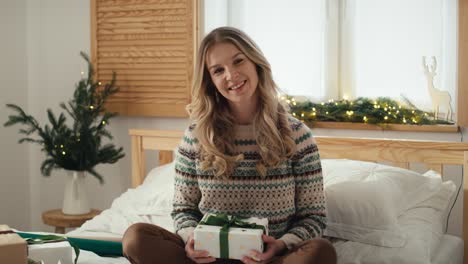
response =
{"points": [[231, 74]]}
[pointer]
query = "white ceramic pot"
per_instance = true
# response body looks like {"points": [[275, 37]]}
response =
{"points": [[75, 198]]}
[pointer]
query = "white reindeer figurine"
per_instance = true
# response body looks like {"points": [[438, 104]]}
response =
{"points": [[439, 98]]}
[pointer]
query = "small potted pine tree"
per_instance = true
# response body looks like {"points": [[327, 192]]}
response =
{"points": [[76, 147]]}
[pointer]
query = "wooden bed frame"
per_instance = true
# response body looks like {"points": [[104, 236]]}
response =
{"points": [[400, 153]]}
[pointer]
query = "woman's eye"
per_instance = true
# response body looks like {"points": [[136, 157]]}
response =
{"points": [[217, 71], [237, 61]]}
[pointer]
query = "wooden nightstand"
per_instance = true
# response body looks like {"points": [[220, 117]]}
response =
{"points": [[61, 221]]}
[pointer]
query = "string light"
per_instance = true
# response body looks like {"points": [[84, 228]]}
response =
{"points": [[361, 110], [91, 107]]}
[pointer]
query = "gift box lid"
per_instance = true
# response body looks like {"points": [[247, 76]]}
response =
{"points": [[9, 238]]}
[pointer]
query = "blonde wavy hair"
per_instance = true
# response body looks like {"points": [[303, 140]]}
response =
{"points": [[215, 124]]}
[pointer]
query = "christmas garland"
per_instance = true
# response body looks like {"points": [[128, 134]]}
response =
{"points": [[382, 110]]}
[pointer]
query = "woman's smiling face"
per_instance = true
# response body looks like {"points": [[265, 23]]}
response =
{"points": [[234, 75]]}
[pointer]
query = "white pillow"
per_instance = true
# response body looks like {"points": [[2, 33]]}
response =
{"points": [[364, 200], [158, 190], [423, 228]]}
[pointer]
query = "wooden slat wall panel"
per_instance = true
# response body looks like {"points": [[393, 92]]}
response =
{"points": [[150, 44]]}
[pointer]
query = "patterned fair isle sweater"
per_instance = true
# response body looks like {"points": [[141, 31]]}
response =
{"points": [[290, 195]]}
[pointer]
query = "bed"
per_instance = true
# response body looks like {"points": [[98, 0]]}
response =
{"points": [[380, 211]]}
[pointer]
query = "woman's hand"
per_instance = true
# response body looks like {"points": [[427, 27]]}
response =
{"points": [[198, 256], [274, 247]]}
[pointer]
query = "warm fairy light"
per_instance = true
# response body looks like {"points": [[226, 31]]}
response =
{"points": [[386, 117], [302, 114], [322, 103], [412, 112], [61, 146], [404, 120], [63, 153], [349, 113], [336, 103], [345, 97], [314, 114], [294, 103], [288, 101], [313, 109], [385, 108], [294, 114], [326, 112], [103, 122], [99, 83], [91, 107], [414, 120], [364, 118]]}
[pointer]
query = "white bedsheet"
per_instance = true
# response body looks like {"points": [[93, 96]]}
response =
{"points": [[450, 251]]}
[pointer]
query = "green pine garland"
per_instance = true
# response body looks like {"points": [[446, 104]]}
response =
{"points": [[78, 147], [383, 110]]}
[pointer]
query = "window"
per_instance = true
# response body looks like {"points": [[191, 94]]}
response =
{"points": [[339, 49]]}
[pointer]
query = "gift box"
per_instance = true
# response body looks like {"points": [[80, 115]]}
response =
{"points": [[225, 236], [53, 252], [13, 249]]}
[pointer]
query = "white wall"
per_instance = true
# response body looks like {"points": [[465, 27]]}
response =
{"points": [[14, 162], [58, 30], [53, 32]]}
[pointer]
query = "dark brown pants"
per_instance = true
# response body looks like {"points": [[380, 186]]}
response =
{"points": [[146, 243]]}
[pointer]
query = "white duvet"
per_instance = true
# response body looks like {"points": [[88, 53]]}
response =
{"points": [[151, 203]]}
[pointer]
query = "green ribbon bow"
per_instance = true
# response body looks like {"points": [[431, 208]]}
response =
{"points": [[226, 222]]}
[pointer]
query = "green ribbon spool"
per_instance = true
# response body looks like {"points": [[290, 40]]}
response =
{"points": [[227, 222]]}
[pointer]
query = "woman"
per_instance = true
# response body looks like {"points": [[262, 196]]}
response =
{"points": [[244, 155]]}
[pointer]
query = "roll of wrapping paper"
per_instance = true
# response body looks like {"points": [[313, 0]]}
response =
{"points": [[98, 246]]}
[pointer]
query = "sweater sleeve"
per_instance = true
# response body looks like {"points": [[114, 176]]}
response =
{"points": [[186, 213], [310, 216]]}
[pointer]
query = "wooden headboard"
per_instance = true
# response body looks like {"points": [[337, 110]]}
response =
{"points": [[400, 153]]}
